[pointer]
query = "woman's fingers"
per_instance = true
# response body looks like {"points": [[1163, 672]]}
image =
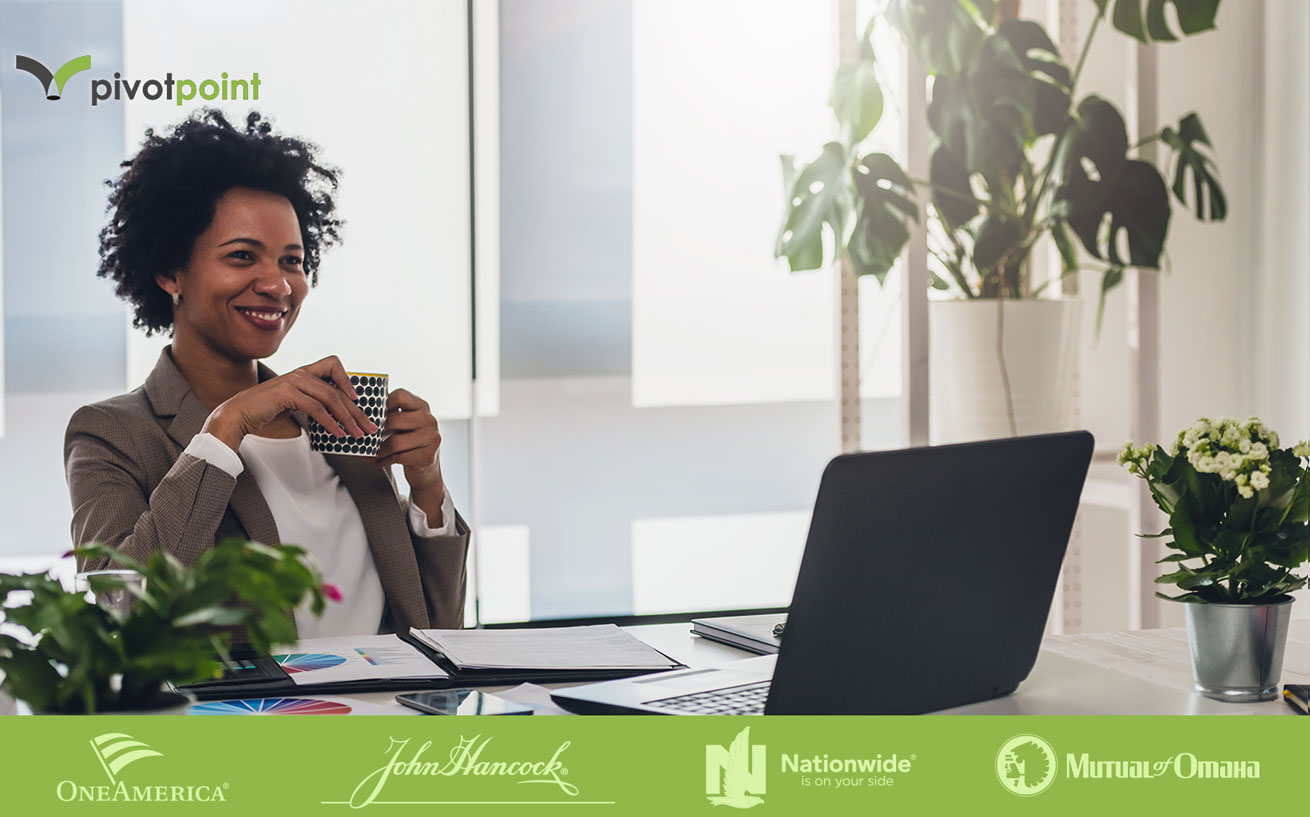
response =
{"points": [[315, 408], [330, 368], [405, 401], [346, 413]]}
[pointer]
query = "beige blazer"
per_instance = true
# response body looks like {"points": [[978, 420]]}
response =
{"points": [[133, 489]]}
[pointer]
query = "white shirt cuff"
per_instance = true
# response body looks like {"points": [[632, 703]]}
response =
{"points": [[215, 452], [418, 519]]}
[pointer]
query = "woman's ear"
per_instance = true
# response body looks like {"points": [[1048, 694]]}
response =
{"points": [[171, 285]]}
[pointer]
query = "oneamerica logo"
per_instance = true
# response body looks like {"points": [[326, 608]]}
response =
{"points": [[173, 90], [116, 751]]}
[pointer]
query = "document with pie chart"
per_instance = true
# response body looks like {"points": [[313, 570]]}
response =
{"points": [[354, 658]]}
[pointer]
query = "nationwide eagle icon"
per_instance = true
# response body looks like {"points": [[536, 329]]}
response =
{"points": [[738, 769]]}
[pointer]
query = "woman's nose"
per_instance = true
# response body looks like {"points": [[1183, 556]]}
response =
{"points": [[272, 282]]}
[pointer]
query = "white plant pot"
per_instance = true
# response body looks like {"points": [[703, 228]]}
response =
{"points": [[966, 388]]}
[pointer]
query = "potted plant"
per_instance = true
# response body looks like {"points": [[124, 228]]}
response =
{"points": [[85, 658], [1017, 159], [1239, 521]]}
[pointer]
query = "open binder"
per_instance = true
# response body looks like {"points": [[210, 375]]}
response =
{"points": [[254, 676]]}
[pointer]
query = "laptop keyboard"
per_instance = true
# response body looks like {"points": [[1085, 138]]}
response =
{"points": [[747, 699]]}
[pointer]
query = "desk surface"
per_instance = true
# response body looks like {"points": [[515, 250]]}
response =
{"points": [[1144, 672]]}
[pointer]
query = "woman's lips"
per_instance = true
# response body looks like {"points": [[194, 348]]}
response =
{"points": [[267, 319]]}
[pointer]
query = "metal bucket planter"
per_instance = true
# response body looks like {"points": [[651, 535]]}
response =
{"points": [[1237, 649]]}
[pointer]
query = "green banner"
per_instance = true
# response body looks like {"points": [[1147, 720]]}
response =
{"points": [[635, 765]]}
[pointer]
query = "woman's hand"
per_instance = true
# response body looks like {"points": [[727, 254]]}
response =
{"points": [[321, 390], [412, 439]]}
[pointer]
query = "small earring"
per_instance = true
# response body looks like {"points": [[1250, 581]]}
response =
{"points": [[177, 299]]}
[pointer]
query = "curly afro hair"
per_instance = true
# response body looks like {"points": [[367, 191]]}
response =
{"points": [[169, 191]]}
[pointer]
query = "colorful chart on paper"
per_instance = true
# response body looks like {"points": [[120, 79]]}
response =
{"points": [[271, 706], [308, 661]]}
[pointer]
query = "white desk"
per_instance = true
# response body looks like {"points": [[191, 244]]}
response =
{"points": [[1143, 672]]}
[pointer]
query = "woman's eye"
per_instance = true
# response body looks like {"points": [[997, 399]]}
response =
{"points": [[294, 260], [244, 255]]}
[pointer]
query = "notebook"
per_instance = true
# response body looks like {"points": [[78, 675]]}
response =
{"points": [[752, 633]]}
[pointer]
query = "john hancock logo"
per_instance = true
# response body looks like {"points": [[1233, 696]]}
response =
{"points": [[116, 751], [733, 776], [1025, 765]]}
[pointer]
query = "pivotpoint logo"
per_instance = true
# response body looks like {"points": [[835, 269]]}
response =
{"points": [[733, 776], [115, 751], [58, 78], [119, 88], [1025, 765]]}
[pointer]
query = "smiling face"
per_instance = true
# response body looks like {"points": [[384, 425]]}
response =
{"points": [[244, 283]]}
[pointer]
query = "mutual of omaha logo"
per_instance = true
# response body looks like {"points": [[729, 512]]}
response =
{"points": [[1025, 765], [735, 775]]}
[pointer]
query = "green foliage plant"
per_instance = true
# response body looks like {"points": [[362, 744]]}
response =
{"points": [[82, 657], [1016, 156], [1238, 508]]}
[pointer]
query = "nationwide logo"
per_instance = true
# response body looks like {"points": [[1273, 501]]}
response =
{"points": [[115, 751], [735, 775], [1025, 765], [46, 77], [178, 91]]}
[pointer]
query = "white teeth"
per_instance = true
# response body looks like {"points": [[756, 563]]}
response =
{"points": [[267, 316]]}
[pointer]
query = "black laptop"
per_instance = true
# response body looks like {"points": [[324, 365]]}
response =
{"points": [[926, 582]]}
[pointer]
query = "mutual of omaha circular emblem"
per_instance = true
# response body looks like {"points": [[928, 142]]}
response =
{"points": [[1025, 765]]}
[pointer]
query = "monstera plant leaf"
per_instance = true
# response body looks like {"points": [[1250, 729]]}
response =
{"points": [[1098, 182], [985, 116], [887, 205], [943, 34], [856, 99], [1188, 156], [820, 196], [1041, 59], [952, 194], [1194, 16]]}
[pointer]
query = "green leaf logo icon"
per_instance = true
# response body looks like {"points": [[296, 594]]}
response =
{"points": [[58, 78]]}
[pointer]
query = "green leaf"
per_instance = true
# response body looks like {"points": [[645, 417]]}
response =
{"points": [[985, 116], [857, 100], [949, 176], [1040, 57], [1096, 183], [1188, 157], [997, 237], [820, 197], [1194, 16], [1111, 279], [943, 35], [886, 206]]}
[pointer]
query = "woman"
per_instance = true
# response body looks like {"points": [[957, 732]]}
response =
{"points": [[215, 236]]}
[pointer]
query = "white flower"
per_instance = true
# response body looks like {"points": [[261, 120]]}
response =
{"points": [[1244, 446], [1245, 490], [1302, 449], [1258, 451], [1259, 480]]}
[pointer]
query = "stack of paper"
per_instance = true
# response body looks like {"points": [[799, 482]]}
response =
{"points": [[349, 659], [568, 649]]}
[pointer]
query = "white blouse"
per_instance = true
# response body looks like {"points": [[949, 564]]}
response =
{"points": [[311, 508]]}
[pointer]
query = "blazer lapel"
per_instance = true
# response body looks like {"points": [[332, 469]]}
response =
{"points": [[388, 538], [171, 396]]}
